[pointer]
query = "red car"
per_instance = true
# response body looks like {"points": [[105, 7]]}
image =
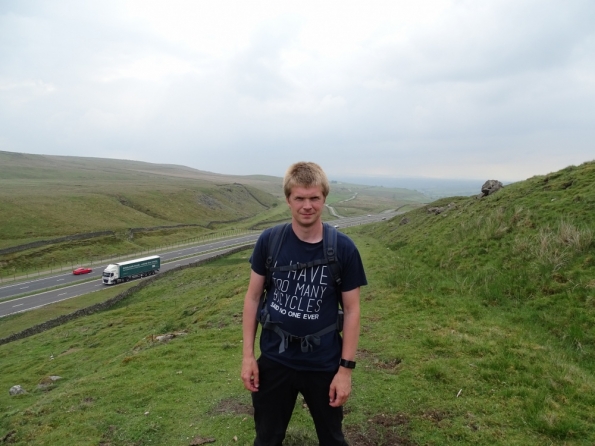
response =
{"points": [[78, 271]]}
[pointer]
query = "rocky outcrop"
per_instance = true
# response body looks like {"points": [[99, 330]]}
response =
{"points": [[168, 336], [489, 187], [48, 381], [440, 209], [16, 390]]}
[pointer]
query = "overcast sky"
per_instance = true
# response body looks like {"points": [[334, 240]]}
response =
{"points": [[427, 88]]}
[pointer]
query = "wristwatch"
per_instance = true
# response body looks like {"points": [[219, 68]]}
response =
{"points": [[347, 364]]}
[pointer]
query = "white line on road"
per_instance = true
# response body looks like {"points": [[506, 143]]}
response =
{"points": [[24, 288], [6, 302], [62, 294], [17, 305], [59, 280]]}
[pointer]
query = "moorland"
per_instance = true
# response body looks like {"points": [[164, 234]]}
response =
{"points": [[130, 206], [478, 327]]}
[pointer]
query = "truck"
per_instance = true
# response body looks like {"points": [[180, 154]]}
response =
{"points": [[131, 269]]}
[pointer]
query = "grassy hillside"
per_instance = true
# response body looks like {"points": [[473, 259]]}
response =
{"points": [[52, 196], [354, 199], [478, 328], [497, 297], [44, 196], [47, 197]]}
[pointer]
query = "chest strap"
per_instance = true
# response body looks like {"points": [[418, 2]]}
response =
{"points": [[307, 342]]}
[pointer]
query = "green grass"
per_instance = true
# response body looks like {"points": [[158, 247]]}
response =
{"points": [[478, 328], [44, 197], [471, 334], [435, 366]]}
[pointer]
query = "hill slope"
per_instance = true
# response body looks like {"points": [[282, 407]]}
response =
{"points": [[122, 207], [48, 196], [51, 196], [530, 245], [478, 327]]}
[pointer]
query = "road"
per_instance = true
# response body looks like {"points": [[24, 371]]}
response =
{"points": [[66, 285], [67, 278]]}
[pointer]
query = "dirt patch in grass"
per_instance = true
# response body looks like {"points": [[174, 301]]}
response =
{"points": [[389, 364], [234, 407], [9, 438], [69, 351], [435, 416], [381, 430]]}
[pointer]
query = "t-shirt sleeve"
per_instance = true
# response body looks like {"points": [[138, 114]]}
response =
{"points": [[259, 255], [352, 268]]}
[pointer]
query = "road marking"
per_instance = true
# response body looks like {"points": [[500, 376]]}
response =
{"points": [[62, 294], [59, 280], [17, 305], [24, 288]]}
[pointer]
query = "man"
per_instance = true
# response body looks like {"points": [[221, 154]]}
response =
{"points": [[302, 303]]}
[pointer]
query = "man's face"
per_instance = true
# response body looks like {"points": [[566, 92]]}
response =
{"points": [[306, 204]]}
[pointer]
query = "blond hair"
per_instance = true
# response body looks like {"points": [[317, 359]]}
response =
{"points": [[305, 174]]}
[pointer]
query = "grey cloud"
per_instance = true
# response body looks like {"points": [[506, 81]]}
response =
{"points": [[255, 72], [489, 83], [481, 41]]}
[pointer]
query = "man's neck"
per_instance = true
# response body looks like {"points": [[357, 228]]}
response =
{"points": [[309, 234]]}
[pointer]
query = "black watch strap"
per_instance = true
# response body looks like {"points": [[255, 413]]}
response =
{"points": [[347, 364]]}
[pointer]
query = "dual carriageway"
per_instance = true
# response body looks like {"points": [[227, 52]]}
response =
{"points": [[26, 295]]}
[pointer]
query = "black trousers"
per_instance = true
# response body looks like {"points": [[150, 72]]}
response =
{"points": [[276, 397]]}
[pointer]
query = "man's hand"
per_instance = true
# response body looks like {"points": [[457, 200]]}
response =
{"points": [[250, 374], [340, 387]]}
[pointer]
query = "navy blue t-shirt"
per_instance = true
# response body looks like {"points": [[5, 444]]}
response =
{"points": [[304, 301]]}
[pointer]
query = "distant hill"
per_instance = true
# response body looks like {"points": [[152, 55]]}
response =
{"points": [[44, 197], [50, 196], [142, 205], [433, 188]]}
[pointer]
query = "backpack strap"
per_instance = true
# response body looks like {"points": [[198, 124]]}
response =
{"points": [[278, 234], [275, 241], [329, 245]]}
